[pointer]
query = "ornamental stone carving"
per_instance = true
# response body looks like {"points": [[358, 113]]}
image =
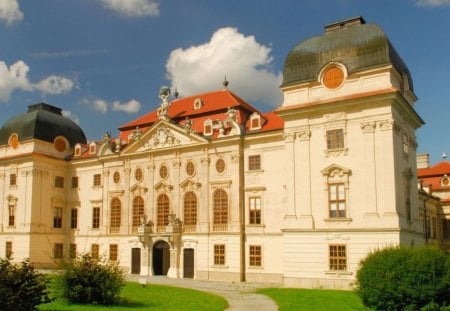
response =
{"points": [[368, 127], [162, 138], [304, 134]]}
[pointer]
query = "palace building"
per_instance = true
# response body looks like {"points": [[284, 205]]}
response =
{"points": [[210, 188]]}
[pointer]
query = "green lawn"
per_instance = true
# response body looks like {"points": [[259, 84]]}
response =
{"points": [[313, 299], [151, 297]]}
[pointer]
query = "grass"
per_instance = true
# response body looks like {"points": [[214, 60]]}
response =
{"points": [[313, 299], [135, 297]]}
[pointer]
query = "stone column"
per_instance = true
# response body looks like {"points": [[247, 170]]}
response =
{"points": [[370, 168], [303, 178]]}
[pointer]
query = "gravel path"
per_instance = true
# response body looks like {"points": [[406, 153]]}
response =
{"points": [[240, 296]]}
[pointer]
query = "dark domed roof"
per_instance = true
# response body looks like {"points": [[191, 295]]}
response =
{"points": [[44, 122], [357, 45]]}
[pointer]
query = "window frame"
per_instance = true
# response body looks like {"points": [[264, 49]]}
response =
{"points": [[219, 254], [162, 210], [337, 201], [254, 217], [95, 251], [337, 261], [97, 180], [115, 217], [113, 252], [190, 203], [255, 256], [335, 139], [254, 162], [138, 210], [57, 217], [13, 179], [59, 182], [8, 249], [72, 251], [58, 250], [11, 215], [220, 207], [74, 218], [96, 217], [75, 182]]}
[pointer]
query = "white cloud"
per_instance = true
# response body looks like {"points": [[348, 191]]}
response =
{"points": [[132, 106], [245, 62], [71, 115], [16, 78], [10, 12], [432, 2], [133, 8]]}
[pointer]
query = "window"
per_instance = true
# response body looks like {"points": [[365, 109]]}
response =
{"points": [[335, 139], [57, 217], [96, 217], [97, 180], [338, 257], [60, 144], [115, 217], [207, 128], [72, 251], [58, 250], [336, 200], [12, 217], [333, 77], [255, 121], [219, 254], [220, 205], [190, 168], [255, 211], [95, 251], [163, 172], [163, 208], [113, 252], [13, 141], [190, 209], [59, 182], [254, 162], [138, 212], [255, 256], [75, 182], [77, 150], [8, 249], [92, 148], [138, 174], [12, 179], [405, 142], [220, 166], [116, 177], [73, 218]]}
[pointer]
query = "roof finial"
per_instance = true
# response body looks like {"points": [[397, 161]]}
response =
{"points": [[444, 155], [176, 93], [225, 82]]}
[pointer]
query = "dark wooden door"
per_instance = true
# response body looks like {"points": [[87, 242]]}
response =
{"points": [[188, 263], [135, 261], [161, 258]]}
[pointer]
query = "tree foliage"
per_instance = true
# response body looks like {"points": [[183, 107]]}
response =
{"points": [[403, 278], [86, 280], [21, 287]]}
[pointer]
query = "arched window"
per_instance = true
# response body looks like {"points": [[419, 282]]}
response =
{"points": [[138, 211], [115, 217], [190, 211], [162, 218], [220, 210]]}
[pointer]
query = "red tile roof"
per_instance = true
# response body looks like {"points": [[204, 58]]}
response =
{"points": [[437, 170]]}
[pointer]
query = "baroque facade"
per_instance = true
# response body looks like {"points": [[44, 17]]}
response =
{"points": [[208, 187]]}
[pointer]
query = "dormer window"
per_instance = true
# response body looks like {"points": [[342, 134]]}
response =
{"points": [[92, 148], [255, 121], [198, 103], [77, 150], [207, 128], [445, 181]]}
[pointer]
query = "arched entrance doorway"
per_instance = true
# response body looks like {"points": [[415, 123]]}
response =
{"points": [[161, 258]]}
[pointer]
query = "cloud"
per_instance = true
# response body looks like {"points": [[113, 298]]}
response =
{"points": [[433, 3], [16, 78], [245, 62], [133, 8], [71, 115], [10, 12], [132, 106]]}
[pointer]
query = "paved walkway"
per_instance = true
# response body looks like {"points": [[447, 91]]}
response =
{"points": [[240, 296]]}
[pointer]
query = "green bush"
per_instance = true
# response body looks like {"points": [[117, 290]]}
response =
{"points": [[85, 280], [405, 279], [21, 287]]}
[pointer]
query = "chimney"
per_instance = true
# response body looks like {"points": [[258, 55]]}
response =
{"points": [[358, 20], [423, 160]]}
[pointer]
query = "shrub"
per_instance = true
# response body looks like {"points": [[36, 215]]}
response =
{"points": [[21, 287], [85, 280], [405, 279]]}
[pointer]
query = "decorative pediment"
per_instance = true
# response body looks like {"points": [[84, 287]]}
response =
{"points": [[190, 185], [162, 187], [335, 170], [138, 189], [164, 135]]}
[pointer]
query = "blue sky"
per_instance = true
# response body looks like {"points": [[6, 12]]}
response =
{"points": [[103, 61]]}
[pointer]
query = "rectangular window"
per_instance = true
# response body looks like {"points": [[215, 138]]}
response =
{"points": [[59, 182], [8, 249], [97, 181], [96, 217], [75, 182], [255, 211], [58, 250], [335, 139], [405, 142], [73, 218], [219, 254], [338, 257], [95, 251], [12, 216], [254, 162], [57, 217], [73, 251], [255, 123], [12, 179], [113, 252], [255, 256], [207, 130], [336, 200]]}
